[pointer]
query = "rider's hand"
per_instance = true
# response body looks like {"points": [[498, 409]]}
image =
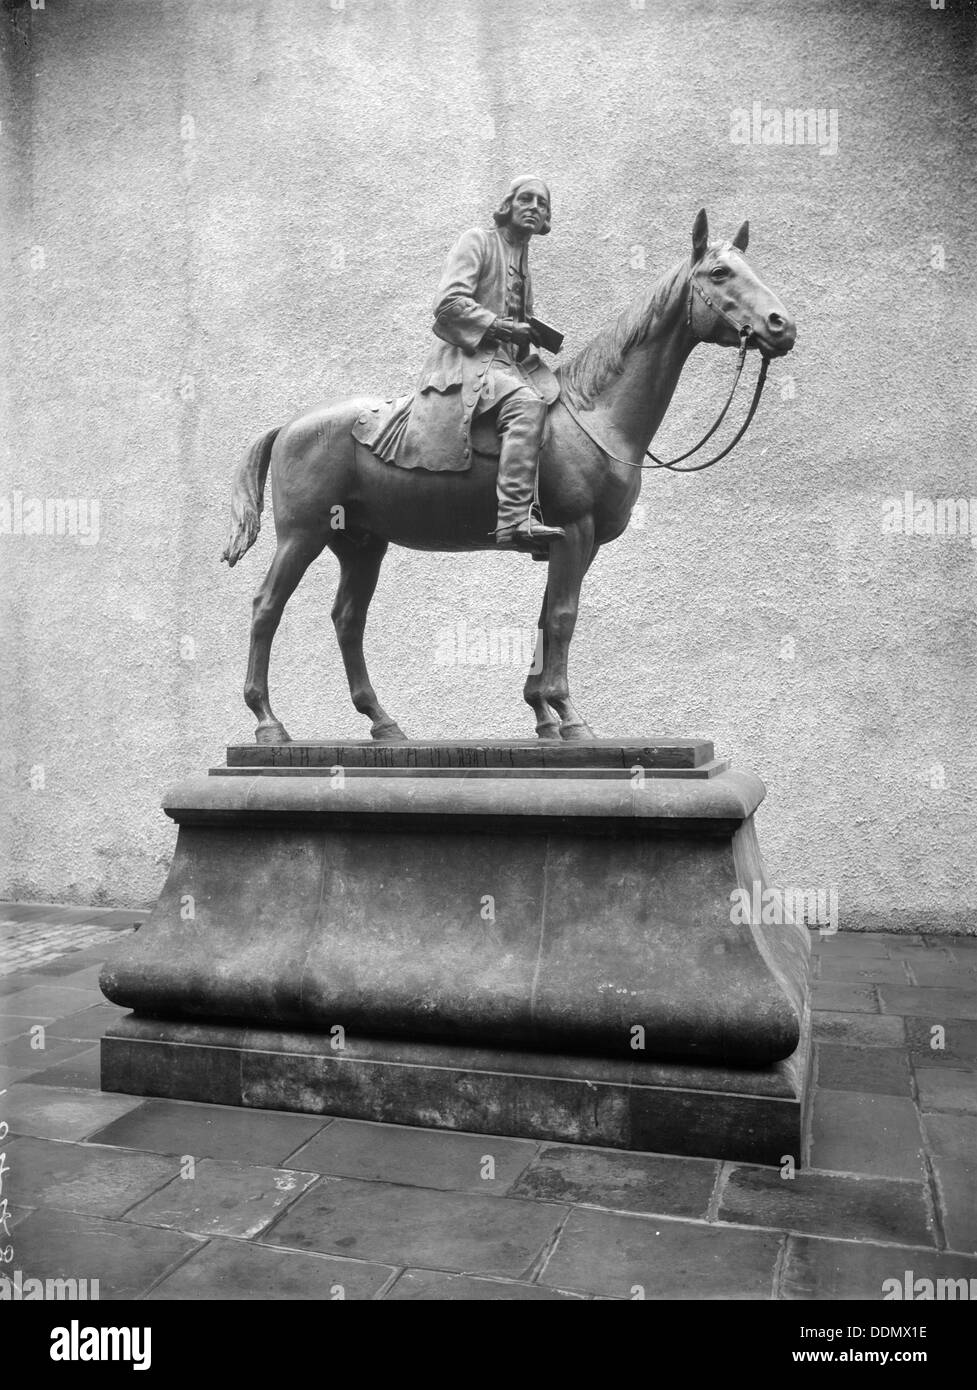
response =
{"points": [[512, 331]]}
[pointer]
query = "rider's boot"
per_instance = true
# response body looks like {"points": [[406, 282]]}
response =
{"points": [[521, 421]]}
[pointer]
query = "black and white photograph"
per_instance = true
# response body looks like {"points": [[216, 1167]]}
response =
{"points": [[488, 776]]}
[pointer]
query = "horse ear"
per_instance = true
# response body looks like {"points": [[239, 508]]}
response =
{"points": [[742, 238], [700, 235]]}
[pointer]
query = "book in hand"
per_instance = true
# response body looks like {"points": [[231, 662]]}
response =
{"points": [[546, 335]]}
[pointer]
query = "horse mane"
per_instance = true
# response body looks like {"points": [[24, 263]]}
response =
{"points": [[586, 376]]}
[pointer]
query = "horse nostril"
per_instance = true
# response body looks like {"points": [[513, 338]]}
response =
{"points": [[776, 323]]}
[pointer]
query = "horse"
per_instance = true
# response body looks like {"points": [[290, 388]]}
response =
{"points": [[614, 395]]}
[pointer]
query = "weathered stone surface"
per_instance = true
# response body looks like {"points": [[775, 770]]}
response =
{"points": [[849, 1270], [364, 906], [828, 1204], [567, 918], [947, 1088], [620, 1181], [238, 1270], [604, 1253], [953, 1142], [167, 1127], [882, 1070], [752, 1115], [50, 1112], [857, 1132], [416, 1226], [416, 1157], [83, 1178], [859, 1030], [222, 1199], [126, 1260], [934, 1003]]}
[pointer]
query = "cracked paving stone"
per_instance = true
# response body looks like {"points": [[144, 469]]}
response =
{"points": [[452, 1231], [222, 1199], [231, 1270], [620, 1181], [614, 1255]]}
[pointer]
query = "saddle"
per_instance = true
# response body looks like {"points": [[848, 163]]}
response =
{"points": [[381, 426]]}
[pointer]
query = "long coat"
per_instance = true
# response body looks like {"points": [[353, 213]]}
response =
{"points": [[471, 294]]}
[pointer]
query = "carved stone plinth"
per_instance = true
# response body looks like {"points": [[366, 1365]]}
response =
{"points": [[506, 938]]}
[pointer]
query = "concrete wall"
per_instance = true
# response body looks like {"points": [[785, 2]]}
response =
{"points": [[219, 214]]}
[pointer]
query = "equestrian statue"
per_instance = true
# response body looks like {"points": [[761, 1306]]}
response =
{"points": [[491, 442]]}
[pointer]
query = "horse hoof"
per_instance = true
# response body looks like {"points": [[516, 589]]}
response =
{"points": [[548, 731], [576, 733], [388, 733], [271, 731]]}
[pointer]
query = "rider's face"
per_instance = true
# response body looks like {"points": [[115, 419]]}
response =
{"points": [[530, 209]]}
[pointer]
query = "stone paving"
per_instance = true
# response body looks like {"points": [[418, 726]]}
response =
{"points": [[172, 1200]]}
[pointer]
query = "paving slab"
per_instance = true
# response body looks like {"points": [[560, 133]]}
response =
{"points": [[211, 1131], [942, 973], [17, 981], [453, 1231], [222, 1199], [882, 1070], [850, 1270], [633, 1257], [50, 1001], [428, 1285], [80, 1072], [837, 996], [227, 1270], [15, 1026], [858, 1030], [934, 1003], [416, 1157], [860, 944], [82, 1177], [22, 1054], [955, 1039], [53, 1112], [953, 1145], [858, 1132], [88, 1023], [947, 1088], [619, 1181], [125, 1259], [829, 1204], [854, 970]]}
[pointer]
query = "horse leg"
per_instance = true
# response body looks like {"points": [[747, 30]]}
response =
{"points": [[293, 557], [569, 561], [547, 720], [359, 570]]}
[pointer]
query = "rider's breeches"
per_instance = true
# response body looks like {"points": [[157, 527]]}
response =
{"points": [[520, 419]]}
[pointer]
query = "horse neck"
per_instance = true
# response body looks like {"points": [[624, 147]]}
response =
{"points": [[634, 404]]}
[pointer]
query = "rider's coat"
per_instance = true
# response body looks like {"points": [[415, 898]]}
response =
{"points": [[476, 287]]}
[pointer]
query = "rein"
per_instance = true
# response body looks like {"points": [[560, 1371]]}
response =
{"points": [[745, 333]]}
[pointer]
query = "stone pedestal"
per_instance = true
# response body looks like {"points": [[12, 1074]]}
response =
{"points": [[510, 938]]}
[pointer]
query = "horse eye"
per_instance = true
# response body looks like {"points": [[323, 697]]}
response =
{"points": [[720, 272]]}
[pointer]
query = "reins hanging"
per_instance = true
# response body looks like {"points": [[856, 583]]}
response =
{"points": [[745, 333]]}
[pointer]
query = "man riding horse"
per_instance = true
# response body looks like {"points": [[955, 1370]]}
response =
{"points": [[486, 361]]}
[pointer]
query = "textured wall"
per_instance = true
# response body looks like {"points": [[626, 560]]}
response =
{"points": [[219, 214]]}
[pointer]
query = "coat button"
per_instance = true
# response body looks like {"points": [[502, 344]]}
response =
{"points": [[465, 453]]}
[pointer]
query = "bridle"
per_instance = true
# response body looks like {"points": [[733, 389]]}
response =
{"points": [[745, 334]]}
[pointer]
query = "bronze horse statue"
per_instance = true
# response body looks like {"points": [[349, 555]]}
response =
{"points": [[614, 395]]}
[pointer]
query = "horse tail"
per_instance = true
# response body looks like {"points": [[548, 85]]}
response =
{"points": [[247, 497]]}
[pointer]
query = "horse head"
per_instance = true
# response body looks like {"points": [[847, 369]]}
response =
{"points": [[726, 296]]}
